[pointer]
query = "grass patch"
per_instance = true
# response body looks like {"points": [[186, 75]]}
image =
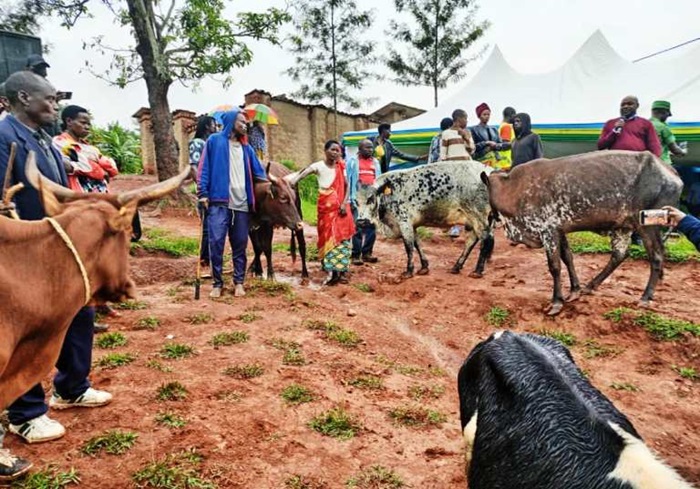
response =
{"points": [[376, 477], [292, 352], [109, 341], [268, 287], [660, 327], [312, 252], [245, 371], [297, 394], [150, 323], [567, 339], [229, 338], [172, 391], [170, 419], [281, 248], [423, 233], [297, 481], [336, 423], [156, 240], [131, 305], [175, 351], [49, 478], [114, 442], [362, 287], [498, 316], [401, 368], [334, 332], [416, 416], [422, 392], [665, 328], [249, 317], [174, 471], [593, 349], [158, 365], [677, 249], [199, 318], [367, 382], [624, 386], [687, 372], [114, 360]]}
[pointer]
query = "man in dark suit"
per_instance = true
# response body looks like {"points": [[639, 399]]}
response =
{"points": [[33, 104]]}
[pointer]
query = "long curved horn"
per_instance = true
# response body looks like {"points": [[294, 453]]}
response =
{"points": [[155, 191], [273, 178], [37, 180]]}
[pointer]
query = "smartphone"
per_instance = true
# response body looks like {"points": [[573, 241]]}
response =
{"points": [[654, 217]]}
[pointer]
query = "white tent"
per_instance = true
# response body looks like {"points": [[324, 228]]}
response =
{"points": [[568, 105]]}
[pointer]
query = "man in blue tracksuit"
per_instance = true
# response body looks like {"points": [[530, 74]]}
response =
{"points": [[686, 224], [33, 105], [227, 171]]}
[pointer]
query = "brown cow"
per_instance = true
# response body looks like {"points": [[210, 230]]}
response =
{"points": [[44, 286], [279, 205], [602, 191]]}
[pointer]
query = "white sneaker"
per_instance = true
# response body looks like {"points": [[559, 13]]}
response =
{"points": [[215, 293], [39, 429], [90, 398]]}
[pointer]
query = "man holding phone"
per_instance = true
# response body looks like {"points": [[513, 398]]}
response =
{"points": [[685, 223]]}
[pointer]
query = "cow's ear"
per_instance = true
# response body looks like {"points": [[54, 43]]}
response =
{"points": [[386, 189], [485, 179], [121, 221], [50, 202]]}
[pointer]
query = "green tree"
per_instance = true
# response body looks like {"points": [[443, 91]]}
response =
{"points": [[332, 53], [176, 40], [23, 15], [436, 48], [121, 144]]}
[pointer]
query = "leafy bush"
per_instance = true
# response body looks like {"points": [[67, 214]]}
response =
{"points": [[121, 144]]}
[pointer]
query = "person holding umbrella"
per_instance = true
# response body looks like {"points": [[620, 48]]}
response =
{"points": [[259, 114]]}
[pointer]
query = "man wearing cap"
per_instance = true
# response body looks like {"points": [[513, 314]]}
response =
{"points": [[37, 64], [660, 111]]}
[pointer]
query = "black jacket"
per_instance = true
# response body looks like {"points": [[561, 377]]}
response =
{"points": [[527, 145]]}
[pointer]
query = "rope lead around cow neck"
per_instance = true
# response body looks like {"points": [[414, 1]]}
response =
{"points": [[66, 239]]}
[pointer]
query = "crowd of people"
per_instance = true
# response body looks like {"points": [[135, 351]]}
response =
{"points": [[227, 158]]}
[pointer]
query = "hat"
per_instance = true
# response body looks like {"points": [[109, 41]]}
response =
{"points": [[662, 104], [36, 60], [482, 107]]}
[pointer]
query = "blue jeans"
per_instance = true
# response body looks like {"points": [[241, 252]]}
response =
{"points": [[73, 366], [364, 237], [223, 221]]}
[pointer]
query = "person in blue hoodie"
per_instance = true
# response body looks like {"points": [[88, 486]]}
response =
{"points": [[227, 172], [686, 224]]}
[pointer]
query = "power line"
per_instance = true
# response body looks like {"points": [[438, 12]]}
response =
{"points": [[666, 50]]}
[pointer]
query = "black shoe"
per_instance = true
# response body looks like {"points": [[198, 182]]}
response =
{"points": [[369, 259], [355, 260], [12, 467], [101, 327]]}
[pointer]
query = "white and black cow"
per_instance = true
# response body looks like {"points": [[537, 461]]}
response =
{"points": [[531, 420], [603, 191], [440, 195]]}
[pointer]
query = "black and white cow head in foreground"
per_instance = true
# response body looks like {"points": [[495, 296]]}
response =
{"points": [[531, 420], [373, 202]]}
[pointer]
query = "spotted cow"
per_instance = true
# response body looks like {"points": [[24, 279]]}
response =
{"points": [[439, 195], [602, 191], [531, 420]]}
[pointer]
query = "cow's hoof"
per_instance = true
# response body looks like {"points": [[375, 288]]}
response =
{"points": [[574, 295], [555, 308], [304, 281], [587, 290], [423, 271], [476, 274], [271, 278], [644, 303], [455, 270], [407, 275]]}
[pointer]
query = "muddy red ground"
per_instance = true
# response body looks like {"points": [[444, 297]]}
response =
{"points": [[250, 438]]}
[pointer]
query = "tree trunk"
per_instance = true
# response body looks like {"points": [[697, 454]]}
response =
{"points": [[157, 84], [335, 75], [435, 51]]}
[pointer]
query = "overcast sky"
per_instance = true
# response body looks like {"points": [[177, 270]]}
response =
{"points": [[534, 36]]}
